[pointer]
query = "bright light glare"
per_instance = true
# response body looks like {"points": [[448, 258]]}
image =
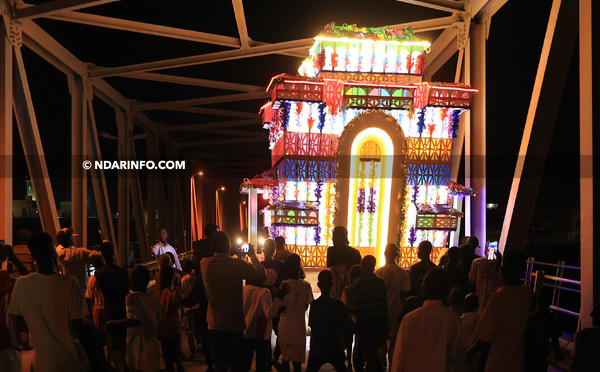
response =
{"points": [[240, 241], [261, 241]]}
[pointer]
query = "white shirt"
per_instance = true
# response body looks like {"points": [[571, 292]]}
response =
{"points": [[428, 339], [143, 347], [72, 262], [49, 303], [160, 248], [292, 323], [396, 281], [468, 323], [259, 309]]}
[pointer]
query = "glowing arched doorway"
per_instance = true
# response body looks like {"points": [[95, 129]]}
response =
{"points": [[370, 181]]}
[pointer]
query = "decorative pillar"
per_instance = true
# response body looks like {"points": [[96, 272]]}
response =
{"points": [[253, 217]]}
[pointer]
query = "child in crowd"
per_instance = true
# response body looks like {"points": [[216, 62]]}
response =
{"points": [[94, 296], [354, 274], [259, 310], [457, 298], [468, 323], [292, 326], [275, 275], [190, 299], [169, 302], [144, 323], [326, 320], [165, 260]]}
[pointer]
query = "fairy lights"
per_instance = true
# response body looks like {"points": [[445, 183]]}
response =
{"points": [[350, 72]]}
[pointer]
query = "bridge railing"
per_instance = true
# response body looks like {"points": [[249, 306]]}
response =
{"points": [[562, 278]]}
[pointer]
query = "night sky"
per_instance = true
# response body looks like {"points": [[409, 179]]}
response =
{"points": [[513, 50]]}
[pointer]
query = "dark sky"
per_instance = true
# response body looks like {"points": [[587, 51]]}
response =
{"points": [[513, 50]]}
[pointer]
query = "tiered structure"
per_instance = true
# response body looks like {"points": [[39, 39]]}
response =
{"points": [[359, 139]]}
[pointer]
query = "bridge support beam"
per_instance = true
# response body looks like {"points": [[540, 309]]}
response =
{"points": [[6, 134], [32, 147], [79, 152], [557, 52]]}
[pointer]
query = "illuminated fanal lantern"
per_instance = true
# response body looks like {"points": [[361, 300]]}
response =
{"points": [[358, 139]]}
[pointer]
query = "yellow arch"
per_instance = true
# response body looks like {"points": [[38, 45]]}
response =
{"points": [[380, 137]]}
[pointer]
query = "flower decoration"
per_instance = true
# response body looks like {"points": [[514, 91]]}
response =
{"points": [[458, 189], [373, 33]]}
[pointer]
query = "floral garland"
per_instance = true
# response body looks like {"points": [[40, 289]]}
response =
{"points": [[371, 207], [360, 202], [374, 33], [458, 189], [412, 238], [455, 122], [328, 212], [322, 115], [404, 210], [317, 234], [297, 190], [318, 193], [273, 232], [421, 122], [286, 114], [415, 193]]}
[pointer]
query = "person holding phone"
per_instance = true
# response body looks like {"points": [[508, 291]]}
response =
{"points": [[222, 276], [485, 273]]}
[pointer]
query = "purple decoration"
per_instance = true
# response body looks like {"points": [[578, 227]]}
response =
{"points": [[317, 234], [415, 193], [455, 121], [322, 114], [421, 122], [412, 238], [275, 195], [318, 192], [360, 202], [286, 115], [371, 207]]}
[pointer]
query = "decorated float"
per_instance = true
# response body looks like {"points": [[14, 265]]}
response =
{"points": [[358, 139]]}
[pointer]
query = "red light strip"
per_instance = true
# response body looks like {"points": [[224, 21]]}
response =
{"points": [[359, 84]]}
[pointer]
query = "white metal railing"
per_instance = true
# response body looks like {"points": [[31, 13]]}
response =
{"points": [[557, 281]]}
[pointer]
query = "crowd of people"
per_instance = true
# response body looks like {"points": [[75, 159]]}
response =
{"points": [[466, 313]]}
